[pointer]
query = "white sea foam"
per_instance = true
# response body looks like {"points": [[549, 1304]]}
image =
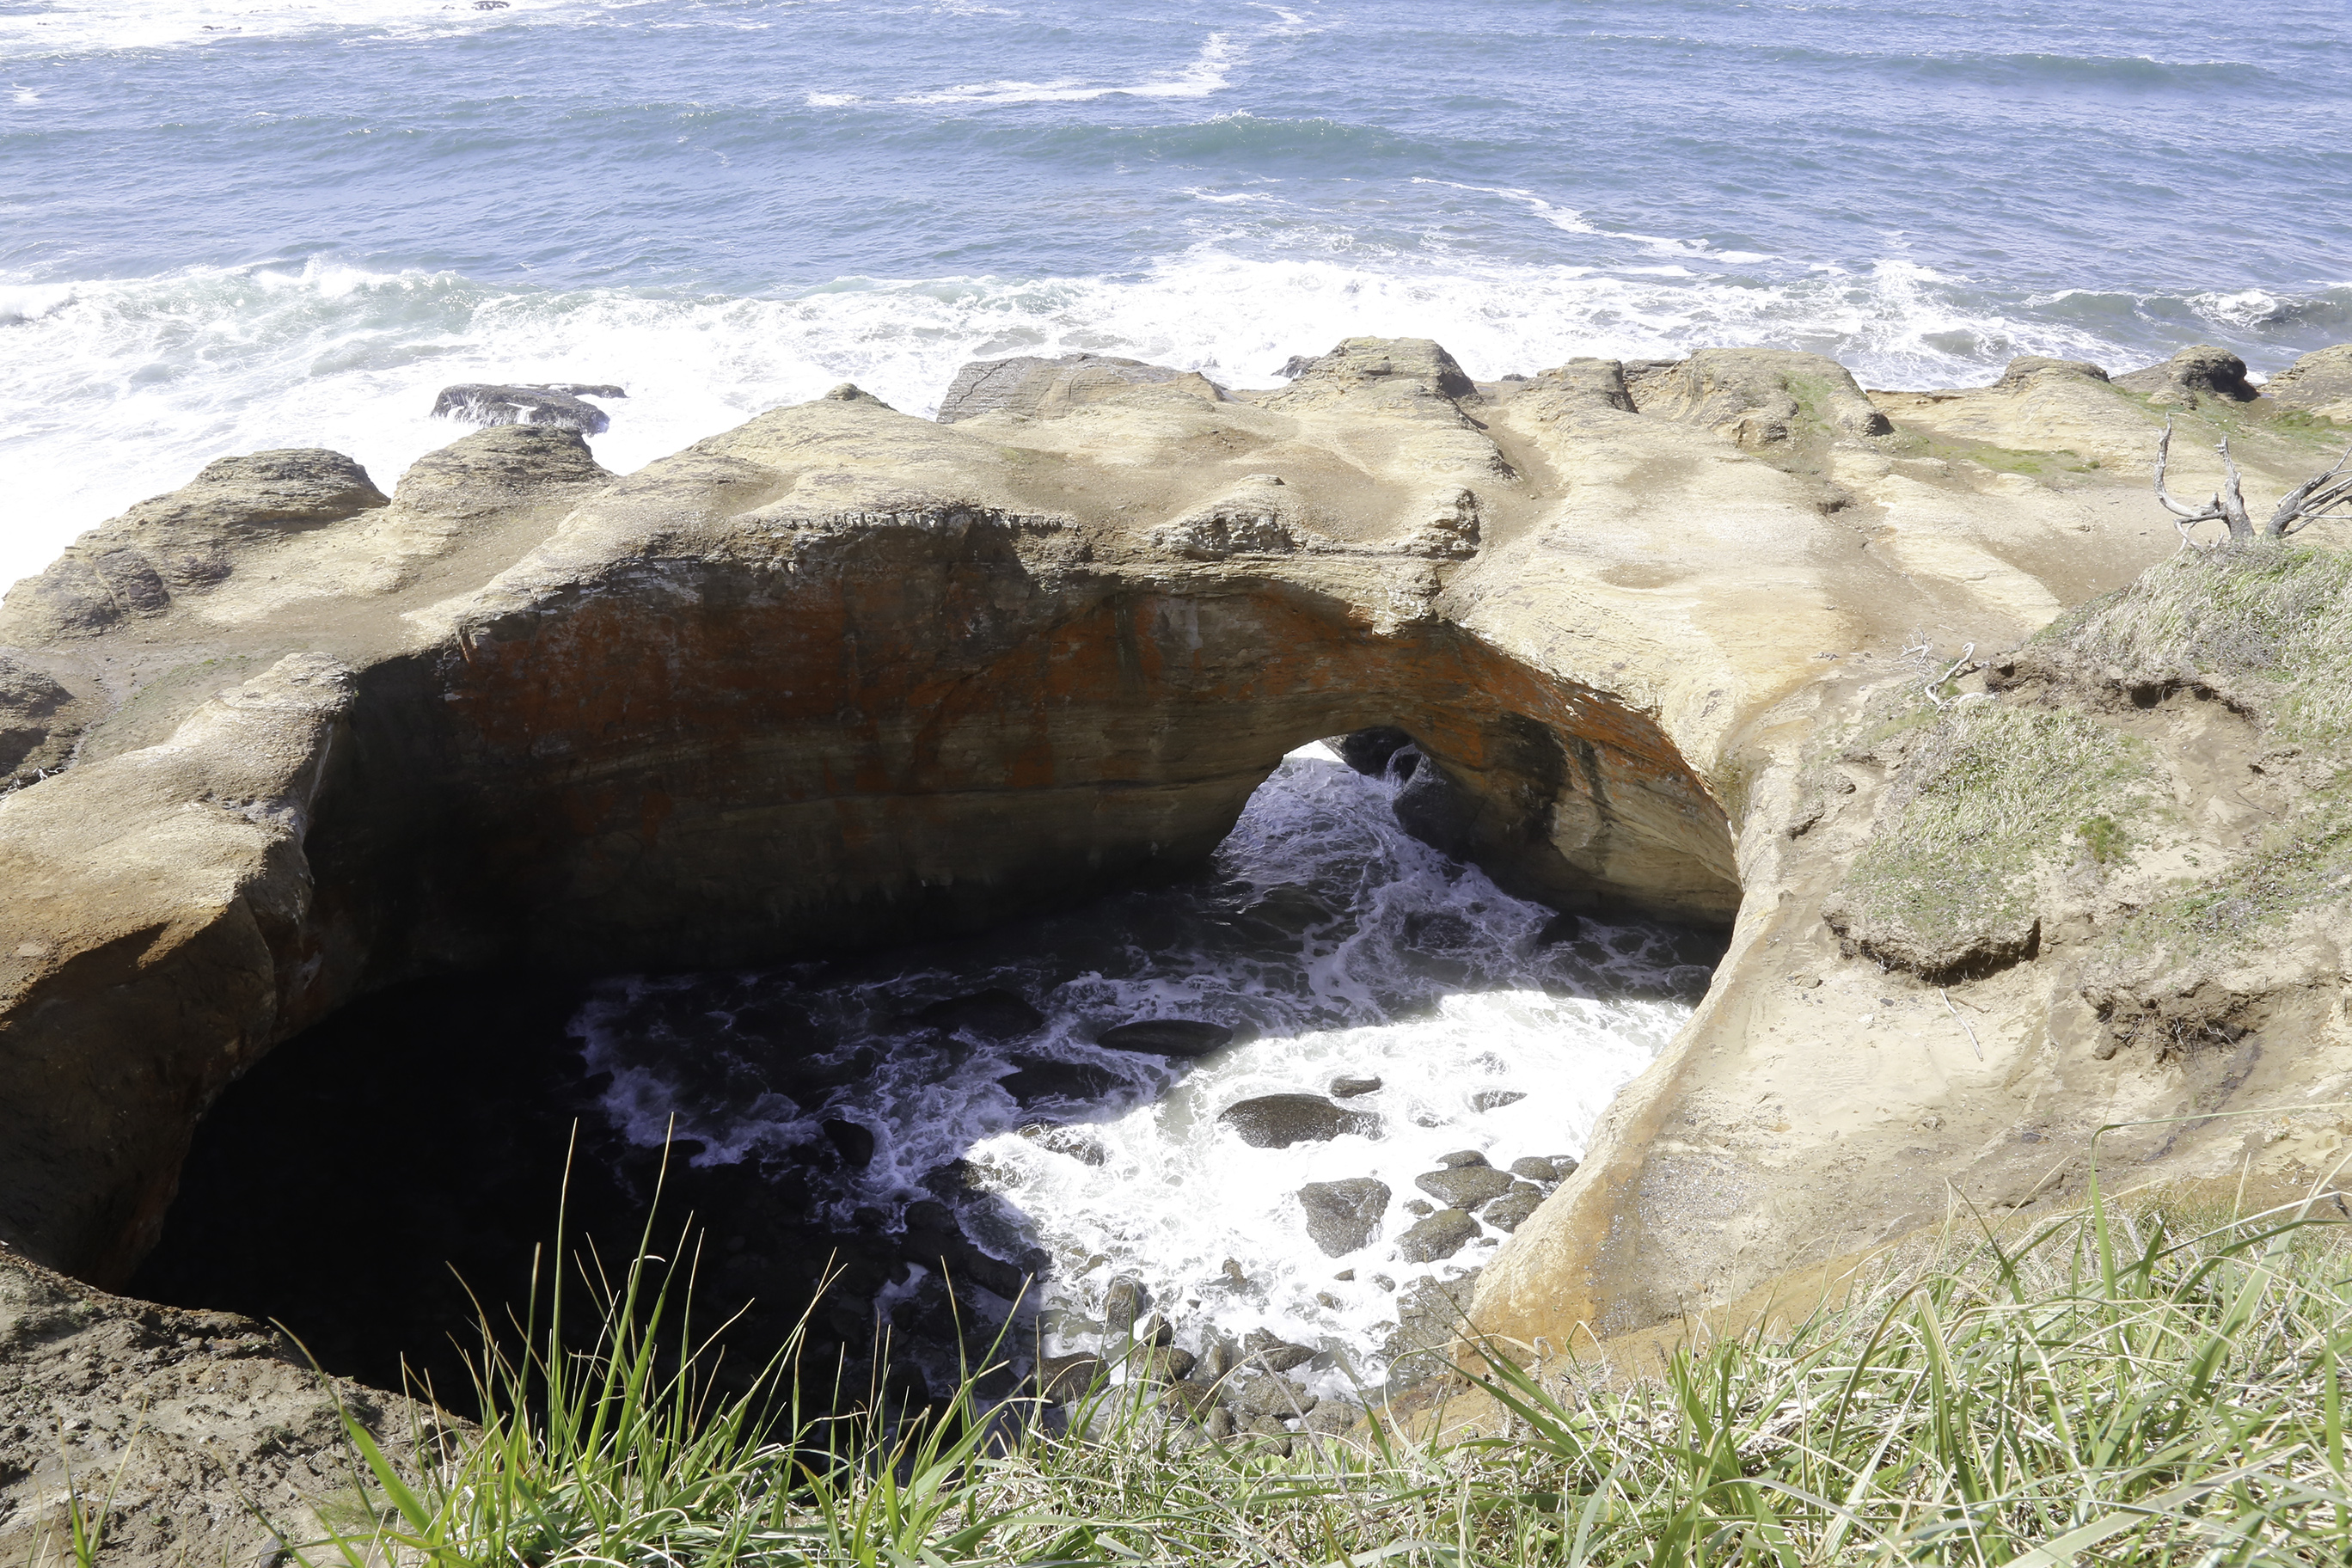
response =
{"points": [[113, 390], [1207, 73], [1404, 966]]}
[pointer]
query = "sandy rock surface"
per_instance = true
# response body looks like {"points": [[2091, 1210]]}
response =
{"points": [[841, 676]]}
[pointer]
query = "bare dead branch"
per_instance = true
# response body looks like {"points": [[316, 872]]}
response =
{"points": [[2296, 511], [2210, 512], [2302, 505], [2232, 499]]}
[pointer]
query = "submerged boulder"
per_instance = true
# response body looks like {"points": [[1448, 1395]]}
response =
{"points": [[1343, 1215], [1278, 1120], [995, 1013], [1167, 1037], [558, 404], [1465, 1186]]}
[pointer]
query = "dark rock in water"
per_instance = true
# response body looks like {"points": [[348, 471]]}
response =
{"points": [[1461, 1157], [1278, 1120], [1420, 1208], [1465, 1186], [1066, 1141], [482, 403], [1441, 1234], [1297, 365], [1194, 1399], [1219, 1358], [855, 1142], [1123, 1302], [1496, 1099], [1275, 1399], [1291, 911], [1559, 929], [1161, 1363], [1435, 810], [1430, 1314], [1154, 1330], [1049, 1078], [1063, 1378], [1350, 1087], [1562, 1166], [1505, 1212], [1330, 1418], [1537, 1168], [1234, 1277], [1343, 1215], [1369, 750], [992, 1014], [1166, 1036], [1261, 1348]]}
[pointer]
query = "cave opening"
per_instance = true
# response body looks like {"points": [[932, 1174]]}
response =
{"points": [[937, 1129]]}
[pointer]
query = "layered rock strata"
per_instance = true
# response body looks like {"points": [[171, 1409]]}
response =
{"points": [[842, 677]]}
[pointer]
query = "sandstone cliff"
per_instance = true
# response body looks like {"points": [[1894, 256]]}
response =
{"points": [[842, 676]]}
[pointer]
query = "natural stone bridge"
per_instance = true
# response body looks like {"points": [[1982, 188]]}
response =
{"points": [[843, 677]]}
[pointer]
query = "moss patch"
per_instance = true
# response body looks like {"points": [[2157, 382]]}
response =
{"points": [[1988, 797]]}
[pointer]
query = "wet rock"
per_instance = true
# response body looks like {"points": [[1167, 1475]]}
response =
{"points": [[1369, 750], [1430, 1314], [855, 1143], [1218, 1359], [1507, 1212], [1276, 1398], [1418, 1207], [483, 403], [1192, 1400], [1161, 1363], [1535, 1168], [995, 1013], [1461, 1157], [1264, 1432], [1154, 1330], [1297, 365], [1350, 1087], [1331, 1418], [1167, 1037], [1435, 810], [1218, 1424], [1262, 1348], [1464, 1186], [1441, 1235], [1279, 1121], [1050, 1078], [1235, 1277], [1291, 911], [1066, 1141], [1496, 1099], [1063, 1378], [1123, 1302], [1559, 929], [1343, 1215]]}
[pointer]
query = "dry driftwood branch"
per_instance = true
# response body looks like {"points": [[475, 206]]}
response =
{"points": [[2296, 511]]}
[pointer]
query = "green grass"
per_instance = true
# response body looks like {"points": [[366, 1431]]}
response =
{"points": [[1986, 797], [2121, 1385]]}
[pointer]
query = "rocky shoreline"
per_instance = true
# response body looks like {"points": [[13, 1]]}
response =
{"points": [[1687, 639]]}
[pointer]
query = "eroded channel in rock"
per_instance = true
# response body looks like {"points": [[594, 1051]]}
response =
{"points": [[1416, 1056]]}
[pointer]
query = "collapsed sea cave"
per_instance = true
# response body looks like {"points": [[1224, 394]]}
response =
{"points": [[1386, 1060]]}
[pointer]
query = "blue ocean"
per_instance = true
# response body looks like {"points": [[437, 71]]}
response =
{"points": [[233, 224]]}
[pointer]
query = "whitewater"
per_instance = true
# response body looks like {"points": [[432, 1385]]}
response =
{"points": [[240, 224]]}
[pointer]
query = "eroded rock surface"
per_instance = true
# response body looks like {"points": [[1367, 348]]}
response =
{"points": [[842, 677]]}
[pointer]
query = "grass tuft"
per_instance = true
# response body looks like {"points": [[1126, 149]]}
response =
{"points": [[2124, 1384]]}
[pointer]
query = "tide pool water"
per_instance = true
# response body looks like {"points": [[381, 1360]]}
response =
{"points": [[1334, 945], [228, 225]]}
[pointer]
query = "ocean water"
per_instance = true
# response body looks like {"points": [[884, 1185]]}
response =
{"points": [[1329, 941], [228, 225]]}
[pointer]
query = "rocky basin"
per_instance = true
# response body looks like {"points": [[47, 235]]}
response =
{"points": [[1674, 639]]}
